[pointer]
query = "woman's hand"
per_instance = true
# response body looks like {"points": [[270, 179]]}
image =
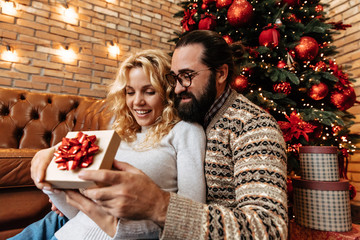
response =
{"points": [[105, 221], [55, 209], [39, 164], [128, 193]]}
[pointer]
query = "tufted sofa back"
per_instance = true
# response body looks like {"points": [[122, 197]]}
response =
{"points": [[40, 120]]}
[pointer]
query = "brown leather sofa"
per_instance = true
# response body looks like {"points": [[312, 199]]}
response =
{"points": [[31, 121]]}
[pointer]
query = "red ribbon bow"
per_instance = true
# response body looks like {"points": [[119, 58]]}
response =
{"points": [[76, 152]]}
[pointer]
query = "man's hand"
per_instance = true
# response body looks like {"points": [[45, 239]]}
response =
{"points": [[128, 193], [104, 220], [39, 163]]}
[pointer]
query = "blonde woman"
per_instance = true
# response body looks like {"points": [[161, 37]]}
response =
{"points": [[153, 139]]}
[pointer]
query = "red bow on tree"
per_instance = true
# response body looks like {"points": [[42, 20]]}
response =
{"points": [[188, 22]]}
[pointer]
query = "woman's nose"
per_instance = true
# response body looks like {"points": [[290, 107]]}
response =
{"points": [[139, 99]]}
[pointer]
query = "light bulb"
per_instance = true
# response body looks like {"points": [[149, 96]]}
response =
{"points": [[9, 55], [67, 54], [8, 7], [113, 49]]}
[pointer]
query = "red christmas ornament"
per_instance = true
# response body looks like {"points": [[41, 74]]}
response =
{"points": [[204, 6], [281, 64], [239, 13], [352, 191], [291, 3], [228, 39], [343, 100], [307, 49], [336, 129], [318, 91], [269, 37], [320, 66], [208, 22], [240, 83], [292, 53], [283, 87], [223, 3], [319, 8], [318, 131], [291, 18]]}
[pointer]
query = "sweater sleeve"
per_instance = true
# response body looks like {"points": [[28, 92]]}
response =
{"points": [[59, 200], [189, 142], [259, 210]]}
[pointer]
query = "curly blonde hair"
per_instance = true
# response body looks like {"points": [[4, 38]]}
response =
{"points": [[155, 64]]}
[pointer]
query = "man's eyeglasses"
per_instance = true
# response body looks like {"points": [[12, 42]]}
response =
{"points": [[184, 78]]}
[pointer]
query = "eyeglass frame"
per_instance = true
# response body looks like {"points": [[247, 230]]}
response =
{"points": [[190, 75]]}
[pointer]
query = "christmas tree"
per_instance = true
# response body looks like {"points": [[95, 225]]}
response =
{"points": [[288, 68]]}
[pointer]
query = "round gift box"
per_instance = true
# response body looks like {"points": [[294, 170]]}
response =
{"points": [[322, 206], [319, 163]]}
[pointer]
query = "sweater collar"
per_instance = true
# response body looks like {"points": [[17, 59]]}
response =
{"points": [[219, 102]]}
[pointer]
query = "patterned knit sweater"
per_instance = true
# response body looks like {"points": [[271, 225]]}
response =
{"points": [[245, 169]]}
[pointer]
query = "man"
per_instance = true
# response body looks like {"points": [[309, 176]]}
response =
{"points": [[245, 163]]}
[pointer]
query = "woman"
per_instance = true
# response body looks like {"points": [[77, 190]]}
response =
{"points": [[153, 139]]}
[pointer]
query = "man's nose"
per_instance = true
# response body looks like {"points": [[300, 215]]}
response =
{"points": [[179, 88]]}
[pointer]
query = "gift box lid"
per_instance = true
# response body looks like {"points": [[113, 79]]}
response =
{"points": [[318, 149], [342, 185]]}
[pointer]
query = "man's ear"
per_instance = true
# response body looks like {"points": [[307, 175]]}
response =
{"points": [[222, 73]]}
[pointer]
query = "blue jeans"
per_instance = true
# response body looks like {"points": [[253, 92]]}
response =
{"points": [[44, 229]]}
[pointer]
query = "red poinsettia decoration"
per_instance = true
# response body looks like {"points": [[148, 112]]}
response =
{"points": [[207, 22], [339, 25], [188, 21], [295, 127]]}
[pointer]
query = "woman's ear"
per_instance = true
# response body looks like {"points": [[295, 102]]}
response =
{"points": [[222, 73]]}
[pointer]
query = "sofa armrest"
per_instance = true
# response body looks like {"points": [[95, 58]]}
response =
{"points": [[15, 167]]}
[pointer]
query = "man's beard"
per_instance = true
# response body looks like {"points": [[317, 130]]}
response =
{"points": [[196, 109]]}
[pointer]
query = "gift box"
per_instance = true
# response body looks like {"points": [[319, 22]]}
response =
{"points": [[107, 142], [298, 232], [319, 163], [322, 205]]}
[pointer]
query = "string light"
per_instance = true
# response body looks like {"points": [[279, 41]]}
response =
{"points": [[9, 55], [67, 54], [8, 7], [113, 49], [69, 14]]}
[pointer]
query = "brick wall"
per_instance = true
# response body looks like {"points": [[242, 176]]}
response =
{"points": [[348, 45], [37, 30]]}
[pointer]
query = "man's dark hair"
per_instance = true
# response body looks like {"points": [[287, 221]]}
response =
{"points": [[216, 50]]}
